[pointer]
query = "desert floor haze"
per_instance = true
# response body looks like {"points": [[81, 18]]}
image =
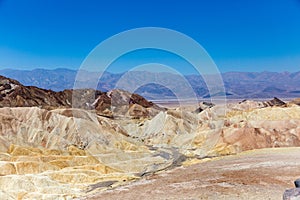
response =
{"points": [[114, 144]]}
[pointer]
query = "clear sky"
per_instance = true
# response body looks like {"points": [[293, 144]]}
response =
{"points": [[240, 35]]}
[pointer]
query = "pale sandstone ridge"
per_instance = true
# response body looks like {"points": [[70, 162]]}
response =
{"points": [[220, 131], [49, 150], [83, 152], [52, 154], [295, 101]]}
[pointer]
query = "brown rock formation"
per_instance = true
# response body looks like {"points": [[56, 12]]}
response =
{"points": [[203, 106], [14, 94], [274, 102]]}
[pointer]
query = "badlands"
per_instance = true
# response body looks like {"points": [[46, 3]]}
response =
{"points": [[89, 144]]}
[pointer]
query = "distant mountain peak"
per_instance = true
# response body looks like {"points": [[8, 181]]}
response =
{"points": [[238, 85]]}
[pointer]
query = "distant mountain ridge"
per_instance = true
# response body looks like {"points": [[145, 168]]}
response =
{"points": [[237, 84]]}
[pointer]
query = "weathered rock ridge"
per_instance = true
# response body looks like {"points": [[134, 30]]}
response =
{"points": [[51, 148], [109, 104]]}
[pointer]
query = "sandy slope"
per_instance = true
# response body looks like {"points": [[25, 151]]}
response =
{"points": [[257, 174]]}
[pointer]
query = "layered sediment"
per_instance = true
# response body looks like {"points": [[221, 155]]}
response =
{"points": [[51, 148]]}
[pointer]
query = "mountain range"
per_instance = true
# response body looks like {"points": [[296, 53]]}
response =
{"points": [[238, 85]]}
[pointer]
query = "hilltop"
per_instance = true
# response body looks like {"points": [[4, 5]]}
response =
{"points": [[14, 94]]}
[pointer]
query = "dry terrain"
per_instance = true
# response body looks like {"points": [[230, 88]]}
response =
{"points": [[256, 174], [117, 145]]}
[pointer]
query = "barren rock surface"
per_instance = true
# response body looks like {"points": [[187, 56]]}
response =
{"points": [[52, 154], [257, 174], [14, 94], [76, 152], [52, 151]]}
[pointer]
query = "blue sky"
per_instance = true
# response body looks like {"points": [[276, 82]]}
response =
{"points": [[239, 35]]}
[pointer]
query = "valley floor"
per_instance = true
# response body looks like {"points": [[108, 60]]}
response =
{"points": [[258, 174]]}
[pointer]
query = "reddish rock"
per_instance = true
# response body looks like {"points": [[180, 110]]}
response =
{"points": [[14, 94]]}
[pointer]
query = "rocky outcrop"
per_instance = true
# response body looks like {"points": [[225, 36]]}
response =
{"points": [[274, 102], [214, 132], [65, 153], [293, 194], [246, 105], [108, 104], [37, 173], [297, 183], [13, 94], [250, 104], [203, 106], [120, 103], [259, 128]]}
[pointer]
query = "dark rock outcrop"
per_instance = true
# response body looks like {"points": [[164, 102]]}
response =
{"points": [[122, 103], [14, 94], [297, 183], [293, 194], [274, 102], [203, 106]]}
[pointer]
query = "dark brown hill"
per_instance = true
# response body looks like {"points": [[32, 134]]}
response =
{"points": [[14, 94]]}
